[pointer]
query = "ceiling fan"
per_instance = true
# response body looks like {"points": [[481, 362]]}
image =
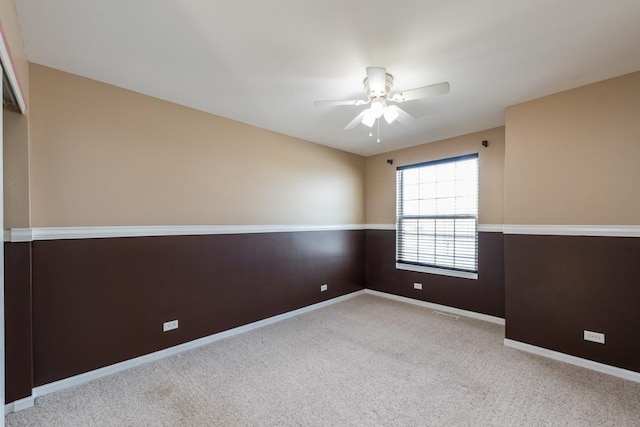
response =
{"points": [[377, 87]]}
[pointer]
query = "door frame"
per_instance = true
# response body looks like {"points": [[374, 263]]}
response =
{"points": [[6, 66]]}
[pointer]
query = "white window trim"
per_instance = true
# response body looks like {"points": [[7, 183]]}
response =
{"points": [[436, 270], [443, 271]]}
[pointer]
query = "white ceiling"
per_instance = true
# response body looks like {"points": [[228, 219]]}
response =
{"points": [[264, 62]]}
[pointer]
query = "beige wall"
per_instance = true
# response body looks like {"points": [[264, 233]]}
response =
{"points": [[380, 191], [102, 155], [16, 128], [16, 170], [573, 157], [107, 156]]}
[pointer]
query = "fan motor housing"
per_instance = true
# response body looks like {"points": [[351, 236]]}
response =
{"points": [[388, 84]]}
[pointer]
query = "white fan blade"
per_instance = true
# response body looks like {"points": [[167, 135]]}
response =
{"points": [[403, 117], [376, 77], [353, 123], [346, 102], [421, 92]]}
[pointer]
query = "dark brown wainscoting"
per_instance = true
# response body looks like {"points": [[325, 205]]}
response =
{"points": [[17, 317], [485, 295], [97, 302], [558, 286]]}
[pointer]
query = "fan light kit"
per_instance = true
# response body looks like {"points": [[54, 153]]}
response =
{"points": [[377, 87]]}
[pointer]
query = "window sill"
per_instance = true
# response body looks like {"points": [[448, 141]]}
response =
{"points": [[440, 271]]}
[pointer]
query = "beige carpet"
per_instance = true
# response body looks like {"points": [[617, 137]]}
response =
{"points": [[367, 361]]}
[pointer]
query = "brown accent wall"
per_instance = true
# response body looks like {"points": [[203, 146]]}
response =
{"points": [[572, 159], [558, 286], [101, 301], [101, 155], [380, 193], [17, 312], [484, 295]]}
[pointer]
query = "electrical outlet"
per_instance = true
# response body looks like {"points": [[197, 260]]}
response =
{"points": [[417, 286], [323, 287], [169, 326], [594, 337]]}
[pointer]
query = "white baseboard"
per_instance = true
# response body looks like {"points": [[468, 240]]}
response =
{"points": [[443, 308], [131, 363], [578, 361], [19, 405]]}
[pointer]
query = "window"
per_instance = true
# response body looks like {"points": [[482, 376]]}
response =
{"points": [[437, 217]]}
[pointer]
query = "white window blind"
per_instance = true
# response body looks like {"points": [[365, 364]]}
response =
{"points": [[437, 214]]}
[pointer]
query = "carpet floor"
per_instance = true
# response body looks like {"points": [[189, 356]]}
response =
{"points": [[366, 361]]}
